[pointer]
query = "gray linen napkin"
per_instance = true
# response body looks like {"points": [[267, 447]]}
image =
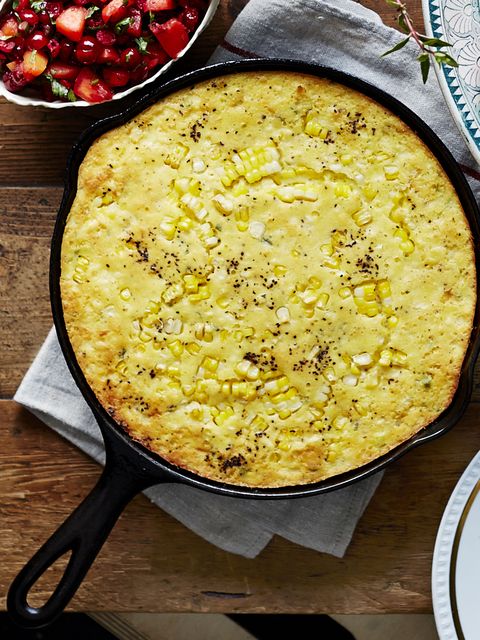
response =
{"points": [[337, 33]]}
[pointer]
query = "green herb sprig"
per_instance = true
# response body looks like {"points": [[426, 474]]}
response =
{"points": [[430, 48]]}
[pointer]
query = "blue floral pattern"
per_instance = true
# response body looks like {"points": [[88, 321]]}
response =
{"points": [[458, 22]]}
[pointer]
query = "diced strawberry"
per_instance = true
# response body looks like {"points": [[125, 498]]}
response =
{"points": [[34, 63], [134, 29], [116, 76], [7, 46], [130, 58], [108, 55], [201, 5], [172, 35], [90, 88], [139, 74], [71, 22], [63, 71], [9, 27], [155, 56], [115, 10], [159, 5]]}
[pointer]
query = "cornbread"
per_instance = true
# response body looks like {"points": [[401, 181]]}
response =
{"points": [[268, 279]]}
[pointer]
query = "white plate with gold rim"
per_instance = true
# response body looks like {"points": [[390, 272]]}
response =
{"points": [[456, 561]]}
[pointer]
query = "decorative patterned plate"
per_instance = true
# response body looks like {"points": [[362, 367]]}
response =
{"points": [[458, 22], [456, 561]]}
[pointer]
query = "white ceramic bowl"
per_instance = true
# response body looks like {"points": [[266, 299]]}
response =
{"points": [[32, 101]]}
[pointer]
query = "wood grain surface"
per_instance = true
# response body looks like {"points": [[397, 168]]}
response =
{"points": [[151, 562]]}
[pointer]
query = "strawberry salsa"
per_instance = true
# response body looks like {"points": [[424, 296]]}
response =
{"points": [[89, 49]]}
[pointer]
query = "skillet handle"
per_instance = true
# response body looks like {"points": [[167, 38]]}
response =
{"points": [[83, 533]]}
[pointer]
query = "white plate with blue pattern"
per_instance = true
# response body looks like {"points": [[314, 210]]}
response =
{"points": [[458, 22]]}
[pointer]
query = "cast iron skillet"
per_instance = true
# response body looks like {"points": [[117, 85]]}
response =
{"points": [[129, 466]]}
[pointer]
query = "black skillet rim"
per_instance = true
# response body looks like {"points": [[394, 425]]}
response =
{"points": [[147, 459]]}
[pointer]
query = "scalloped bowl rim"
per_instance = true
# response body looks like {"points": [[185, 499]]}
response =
{"points": [[27, 101]]}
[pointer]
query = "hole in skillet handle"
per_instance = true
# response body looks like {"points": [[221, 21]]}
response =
{"points": [[83, 534]]}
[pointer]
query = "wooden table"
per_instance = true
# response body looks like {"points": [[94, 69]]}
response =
{"points": [[151, 562]]}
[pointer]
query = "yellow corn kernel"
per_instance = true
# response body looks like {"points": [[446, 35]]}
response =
{"points": [[345, 292], [196, 411], [248, 332], [407, 247], [188, 389], [399, 358], [283, 445], [309, 297], [202, 294], [360, 408], [279, 270], [385, 358], [211, 364], [401, 234], [392, 321], [191, 283], [176, 155], [391, 172], [371, 380], [240, 188], [362, 359], [226, 388], [346, 159], [313, 127], [194, 206], [223, 416], [121, 367], [253, 163], [369, 192], [329, 374], [184, 223], [318, 424], [83, 261], [181, 185], [283, 415], [396, 215], [172, 293], [173, 371], [383, 288], [176, 347], [125, 294], [144, 336], [223, 204], [283, 314], [314, 282], [237, 335], [167, 227], [193, 348], [362, 218], [277, 385], [204, 331], [323, 299], [259, 423], [331, 261], [343, 190], [339, 422], [78, 278], [223, 302], [369, 292]]}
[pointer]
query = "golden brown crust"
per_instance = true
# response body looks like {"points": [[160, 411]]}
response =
{"points": [[268, 279]]}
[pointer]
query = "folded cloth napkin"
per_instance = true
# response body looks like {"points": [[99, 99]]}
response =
{"points": [[340, 34]]}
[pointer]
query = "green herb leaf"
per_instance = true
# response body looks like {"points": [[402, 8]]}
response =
{"points": [[142, 43], [38, 5], [58, 89], [403, 24], [122, 25], [424, 60], [91, 10], [392, 3], [71, 96], [397, 47], [433, 42], [15, 4]]}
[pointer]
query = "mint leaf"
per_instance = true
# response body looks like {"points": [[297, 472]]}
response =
{"points": [[122, 25], [38, 5], [142, 44], [58, 89], [397, 47], [91, 10]]}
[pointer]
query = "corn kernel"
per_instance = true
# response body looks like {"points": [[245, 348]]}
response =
{"points": [[331, 261], [343, 190], [384, 290], [184, 223], [279, 270], [323, 299], [370, 192], [223, 204], [350, 380], [223, 302], [385, 357], [346, 159], [399, 358], [191, 283], [176, 347], [283, 415], [362, 359], [362, 218], [392, 321], [78, 278], [345, 292], [283, 314], [277, 385], [173, 370], [204, 331], [202, 294], [125, 294], [211, 364], [198, 165], [391, 172], [167, 227], [193, 348], [172, 293], [176, 155], [407, 247]]}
